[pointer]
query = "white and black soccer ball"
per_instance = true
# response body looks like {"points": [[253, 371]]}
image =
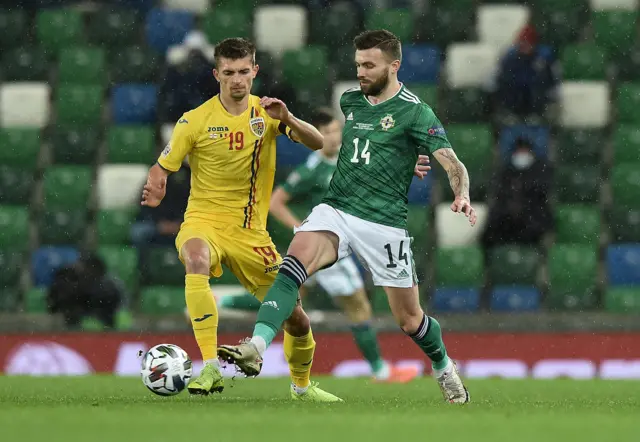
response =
{"points": [[166, 369]]}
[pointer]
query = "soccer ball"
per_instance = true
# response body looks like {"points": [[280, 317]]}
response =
{"points": [[166, 369]]}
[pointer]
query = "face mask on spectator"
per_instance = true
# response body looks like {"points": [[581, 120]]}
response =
{"points": [[522, 160]]}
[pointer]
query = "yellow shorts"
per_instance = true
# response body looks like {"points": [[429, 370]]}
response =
{"points": [[249, 254]]}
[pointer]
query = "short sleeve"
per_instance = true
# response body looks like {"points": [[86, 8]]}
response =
{"points": [[298, 182], [181, 143], [427, 131]]}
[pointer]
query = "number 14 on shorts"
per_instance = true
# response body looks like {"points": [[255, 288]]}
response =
{"points": [[402, 256]]}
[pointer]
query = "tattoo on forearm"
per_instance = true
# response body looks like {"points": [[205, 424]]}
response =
{"points": [[458, 175]]}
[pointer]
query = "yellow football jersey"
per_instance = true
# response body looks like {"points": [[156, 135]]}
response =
{"points": [[232, 159]]}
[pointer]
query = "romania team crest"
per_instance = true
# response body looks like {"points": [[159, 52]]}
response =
{"points": [[387, 122], [257, 126]]}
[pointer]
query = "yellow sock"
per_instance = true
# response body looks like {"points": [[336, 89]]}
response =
{"points": [[204, 314], [298, 352]]}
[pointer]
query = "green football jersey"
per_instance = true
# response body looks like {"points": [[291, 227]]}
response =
{"points": [[380, 147], [310, 181]]}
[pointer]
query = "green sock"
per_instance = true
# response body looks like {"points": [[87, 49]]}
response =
{"points": [[276, 308], [367, 342], [429, 339]]}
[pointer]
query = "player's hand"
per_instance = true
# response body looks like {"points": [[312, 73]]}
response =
{"points": [[422, 167], [275, 108], [462, 205], [153, 192]]}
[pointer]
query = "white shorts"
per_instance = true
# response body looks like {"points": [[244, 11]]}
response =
{"points": [[341, 279], [384, 251]]}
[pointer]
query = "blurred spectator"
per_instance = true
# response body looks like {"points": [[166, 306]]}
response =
{"points": [[520, 212], [160, 225], [526, 81], [85, 289]]}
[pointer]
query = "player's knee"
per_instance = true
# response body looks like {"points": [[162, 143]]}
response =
{"points": [[197, 262], [410, 322], [298, 323]]}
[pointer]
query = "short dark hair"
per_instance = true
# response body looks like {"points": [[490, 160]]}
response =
{"points": [[235, 49], [321, 117], [386, 41]]}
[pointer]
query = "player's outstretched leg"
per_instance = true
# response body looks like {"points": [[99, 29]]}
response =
{"points": [[203, 313], [358, 308], [426, 333]]}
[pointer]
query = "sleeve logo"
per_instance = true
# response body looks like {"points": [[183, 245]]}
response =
{"points": [[167, 150], [183, 121], [436, 130]]}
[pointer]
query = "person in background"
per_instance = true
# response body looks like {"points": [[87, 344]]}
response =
{"points": [[526, 81], [520, 212]]}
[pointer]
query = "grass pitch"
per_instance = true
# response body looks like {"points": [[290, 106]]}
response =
{"points": [[105, 408]]}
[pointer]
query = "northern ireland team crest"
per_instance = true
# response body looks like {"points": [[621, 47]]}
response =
{"points": [[387, 122], [257, 126]]}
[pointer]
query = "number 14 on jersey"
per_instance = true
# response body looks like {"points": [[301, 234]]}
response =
{"points": [[365, 155]]}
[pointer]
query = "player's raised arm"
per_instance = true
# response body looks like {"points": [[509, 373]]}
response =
{"points": [[301, 131], [459, 181]]}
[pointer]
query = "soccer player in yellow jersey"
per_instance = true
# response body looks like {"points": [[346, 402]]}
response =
{"points": [[230, 141]]}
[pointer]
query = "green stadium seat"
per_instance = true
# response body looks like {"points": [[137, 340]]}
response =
{"points": [[578, 184], [628, 103], [240, 5], [473, 144], [25, 64], [81, 65], [35, 300], [113, 27], [343, 62], [134, 64], [13, 27], [16, 185], [629, 66], [622, 299], [19, 147], [464, 105], [10, 299], [63, 226], [398, 21], [559, 21], [114, 226], [583, 61], [227, 22], [625, 185], [580, 146], [614, 31], [121, 261], [578, 224], [448, 22], [131, 144], [162, 300], [59, 28], [626, 144], [334, 26], [14, 227], [78, 104], [427, 93], [514, 264], [572, 276], [67, 187], [164, 267], [77, 145], [305, 66], [625, 224], [11, 263], [459, 267]]}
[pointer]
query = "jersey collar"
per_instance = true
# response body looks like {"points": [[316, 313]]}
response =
{"points": [[385, 101]]}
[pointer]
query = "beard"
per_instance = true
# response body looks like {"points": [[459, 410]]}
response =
{"points": [[376, 87]]}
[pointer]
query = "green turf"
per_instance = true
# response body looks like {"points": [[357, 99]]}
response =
{"points": [[103, 408]]}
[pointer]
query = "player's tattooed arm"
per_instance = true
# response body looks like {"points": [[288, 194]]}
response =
{"points": [[459, 181]]}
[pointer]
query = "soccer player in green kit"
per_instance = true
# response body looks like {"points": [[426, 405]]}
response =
{"points": [[365, 210]]}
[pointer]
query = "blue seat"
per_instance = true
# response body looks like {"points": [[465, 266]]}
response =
{"points": [[420, 64], [165, 27], [537, 135], [515, 298], [420, 190], [456, 300], [290, 153], [134, 104], [623, 264], [46, 260]]}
